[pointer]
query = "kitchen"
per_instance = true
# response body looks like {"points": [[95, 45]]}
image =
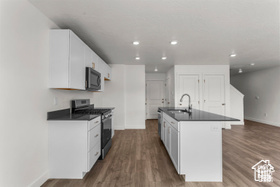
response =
{"points": [[25, 63]]}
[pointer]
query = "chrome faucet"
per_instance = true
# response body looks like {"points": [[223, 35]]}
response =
{"points": [[190, 106]]}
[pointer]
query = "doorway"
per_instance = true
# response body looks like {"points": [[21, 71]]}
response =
{"points": [[154, 97]]}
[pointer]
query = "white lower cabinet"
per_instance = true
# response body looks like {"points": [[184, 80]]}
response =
{"points": [[174, 147], [74, 147], [171, 139], [93, 155], [195, 148]]}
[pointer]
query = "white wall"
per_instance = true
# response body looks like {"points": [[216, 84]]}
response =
{"points": [[155, 76], [25, 97], [114, 95], [126, 92], [135, 97], [265, 85]]}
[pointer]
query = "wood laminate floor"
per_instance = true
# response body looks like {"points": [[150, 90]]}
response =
{"points": [[138, 159]]}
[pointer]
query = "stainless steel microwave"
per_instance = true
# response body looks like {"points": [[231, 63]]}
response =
{"points": [[93, 79]]}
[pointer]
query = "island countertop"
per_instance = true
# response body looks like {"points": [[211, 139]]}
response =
{"points": [[196, 115]]}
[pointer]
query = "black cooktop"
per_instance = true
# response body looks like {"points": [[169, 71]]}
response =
{"points": [[93, 111]]}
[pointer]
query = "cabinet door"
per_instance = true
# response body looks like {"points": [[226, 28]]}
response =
{"points": [[214, 93], [107, 72], [88, 56], [189, 84], [101, 68], [174, 149], [167, 137], [76, 63], [95, 60]]}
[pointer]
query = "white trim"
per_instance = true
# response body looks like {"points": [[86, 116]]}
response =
{"points": [[135, 127], [118, 128], [263, 121], [237, 123], [40, 180], [236, 91]]}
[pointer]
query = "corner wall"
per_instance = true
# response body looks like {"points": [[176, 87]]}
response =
{"points": [[262, 95], [25, 96]]}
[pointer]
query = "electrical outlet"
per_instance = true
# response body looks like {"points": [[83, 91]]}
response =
{"points": [[214, 128]]}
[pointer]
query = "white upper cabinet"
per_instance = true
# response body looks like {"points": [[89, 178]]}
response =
{"points": [[104, 69], [76, 63], [88, 57], [107, 72], [69, 57], [67, 65]]}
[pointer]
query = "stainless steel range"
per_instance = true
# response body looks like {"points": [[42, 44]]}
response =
{"points": [[82, 106]]}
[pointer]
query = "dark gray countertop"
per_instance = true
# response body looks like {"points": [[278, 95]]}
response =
{"points": [[65, 115], [196, 115]]}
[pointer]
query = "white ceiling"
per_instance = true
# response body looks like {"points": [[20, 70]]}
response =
{"points": [[208, 31]]}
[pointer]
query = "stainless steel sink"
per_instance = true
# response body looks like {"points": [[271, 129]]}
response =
{"points": [[178, 111]]}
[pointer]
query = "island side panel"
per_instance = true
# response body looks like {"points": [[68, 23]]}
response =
{"points": [[201, 151]]}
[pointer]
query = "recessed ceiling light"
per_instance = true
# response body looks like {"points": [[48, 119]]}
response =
{"points": [[240, 70], [174, 42], [136, 43], [233, 55], [164, 58], [156, 69], [252, 64], [137, 58]]}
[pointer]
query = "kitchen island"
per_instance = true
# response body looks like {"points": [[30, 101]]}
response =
{"points": [[194, 142]]}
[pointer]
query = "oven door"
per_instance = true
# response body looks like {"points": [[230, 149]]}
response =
{"points": [[93, 79], [106, 130]]}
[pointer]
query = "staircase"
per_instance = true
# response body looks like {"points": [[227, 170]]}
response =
{"points": [[236, 106]]}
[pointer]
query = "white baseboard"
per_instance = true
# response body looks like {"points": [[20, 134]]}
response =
{"points": [[118, 128], [40, 180], [237, 123], [135, 127], [263, 121]]}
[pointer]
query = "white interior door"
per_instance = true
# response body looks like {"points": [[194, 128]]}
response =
{"points": [[167, 88], [189, 84], [214, 93], [154, 98]]}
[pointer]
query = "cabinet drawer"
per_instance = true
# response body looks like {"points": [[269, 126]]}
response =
{"points": [[93, 123], [171, 121], [94, 137], [93, 155]]}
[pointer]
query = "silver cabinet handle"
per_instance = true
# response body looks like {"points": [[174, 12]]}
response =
{"points": [[172, 123], [96, 153], [97, 122], [96, 135]]}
